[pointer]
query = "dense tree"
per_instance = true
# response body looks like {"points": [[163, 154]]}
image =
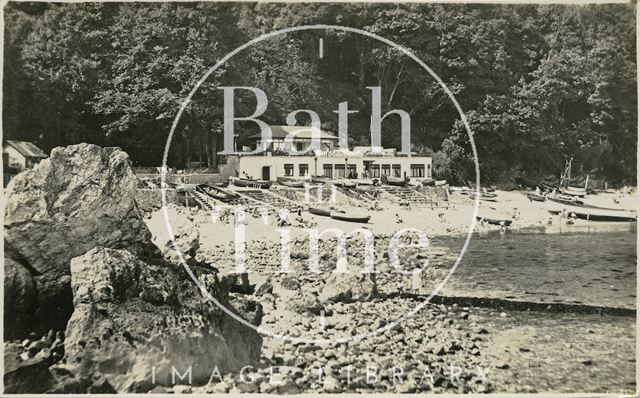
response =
{"points": [[539, 83]]}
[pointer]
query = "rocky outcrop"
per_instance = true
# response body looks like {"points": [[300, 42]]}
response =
{"points": [[184, 230], [134, 322], [83, 196], [19, 299], [131, 316]]}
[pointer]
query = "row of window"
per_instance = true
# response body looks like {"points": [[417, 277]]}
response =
{"points": [[303, 170], [349, 170]]}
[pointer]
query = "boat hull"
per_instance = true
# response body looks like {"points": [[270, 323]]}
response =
{"points": [[362, 181], [395, 181], [566, 201], [291, 183], [261, 184], [318, 211], [596, 214], [350, 218], [495, 221], [536, 198]]}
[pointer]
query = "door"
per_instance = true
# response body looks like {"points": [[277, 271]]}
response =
{"points": [[266, 173]]}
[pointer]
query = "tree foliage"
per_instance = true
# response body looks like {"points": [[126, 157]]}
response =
{"points": [[538, 83]]}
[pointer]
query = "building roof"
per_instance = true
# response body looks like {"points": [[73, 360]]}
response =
{"points": [[300, 132], [27, 149]]}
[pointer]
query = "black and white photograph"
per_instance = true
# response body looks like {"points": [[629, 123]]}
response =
{"points": [[287, 198]]}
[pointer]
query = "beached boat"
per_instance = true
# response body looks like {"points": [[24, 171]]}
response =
{"points": [[320, 180], [222, 195], [363, 181], [396, 181], [320, 211], [487, 197], [573, 191], [246, 183], [595, 214], [343, 183], [495, 221], [291, 182], [343, 216], [459, 189], [534, 197], [566, 200]]}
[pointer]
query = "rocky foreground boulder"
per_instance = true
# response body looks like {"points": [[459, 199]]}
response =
{"points": [[83, 196], [74, 233], [134, 322]]}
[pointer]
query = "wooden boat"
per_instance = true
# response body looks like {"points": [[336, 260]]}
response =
{"points": [[429, 183], [319, 211], [459, 189], [343, 183], [593, 214], [483, 196], [488, 194], [342, 216], [573, 191], [566, 200], [395, 181], [441, 182], [320, 180], [363, 181], [246, 183], [218, 193], [291, 182], [495, 221], [534, 197]]}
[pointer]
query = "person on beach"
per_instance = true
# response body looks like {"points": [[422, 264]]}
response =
{"points": [[416, 280]]}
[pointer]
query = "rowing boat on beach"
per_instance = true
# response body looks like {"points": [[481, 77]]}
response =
{"points": [[291, 182], [596, 214], [495, 221], [351, 217], [396, 181], [320, 211], [246, 183], [534, 197], [218, 193]]}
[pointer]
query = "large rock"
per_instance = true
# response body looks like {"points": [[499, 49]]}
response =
{"points": [[186, 237], [133, 318], [352, 285], [19, 299], [83, 196], [349, 287]]}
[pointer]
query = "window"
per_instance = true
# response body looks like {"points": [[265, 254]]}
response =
{"points": [[288, 170], [386, 170], [375, 169], [327, 170], [351, 171], [339, 170], [396, 170], [417, 170], [299, 146], [304, 169]]}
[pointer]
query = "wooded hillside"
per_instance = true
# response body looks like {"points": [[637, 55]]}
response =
{"points": [[539, 84]]}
